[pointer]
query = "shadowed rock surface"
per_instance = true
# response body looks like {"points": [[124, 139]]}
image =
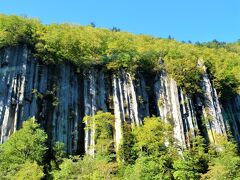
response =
{"points": [[59, 96]]}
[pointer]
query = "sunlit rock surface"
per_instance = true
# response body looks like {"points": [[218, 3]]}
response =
{"points": [[59, 96]]}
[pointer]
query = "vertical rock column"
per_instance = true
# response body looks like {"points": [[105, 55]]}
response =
{"points": [[94, 100], [176, 114], [167, 99], [188, 117], [163, 96], [66, 115], [211, 109], [118, 109], [125, 103], [132, 101], [176, 108], [90, 108], [12, 81], [142, 98], [231, 114], [32, 86]]}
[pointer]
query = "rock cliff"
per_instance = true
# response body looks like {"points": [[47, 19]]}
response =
{"points": [[60, 95]]}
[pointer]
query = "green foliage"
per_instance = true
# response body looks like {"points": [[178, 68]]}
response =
{"points": [[225, 163], [151, 138], [24, 146], [194, 162], [27, 143], [87, 46], [155, 157], [81, 45], [181, 63], [59, 152], [102, 165], [147, 168], [29, 170], [15, 30], [127, 153], [86, 168], [102, 124], [147, 152]]}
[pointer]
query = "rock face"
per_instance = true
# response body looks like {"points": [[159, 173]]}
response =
{"points": [[59, 97]]}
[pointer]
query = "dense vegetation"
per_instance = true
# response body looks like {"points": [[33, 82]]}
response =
{"points": [[147, 152], [87, 45]]}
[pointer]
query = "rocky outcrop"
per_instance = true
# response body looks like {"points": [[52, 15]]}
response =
{"points": [[231, 115], [53, 94], [95, 97], [59, 96]]}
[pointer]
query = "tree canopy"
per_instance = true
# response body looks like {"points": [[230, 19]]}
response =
{"points": [[146, 152], [85, 46], [26, 145]]}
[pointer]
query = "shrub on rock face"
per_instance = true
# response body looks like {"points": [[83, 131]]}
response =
{"points": [[102, 124]]}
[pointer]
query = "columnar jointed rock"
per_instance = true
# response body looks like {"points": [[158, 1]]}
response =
{"points": [[231, 115], [59, 97], [175, 108], [211, 109], [51, 93], [167, 100], [94, 100], [125, 103], [12, 81]]}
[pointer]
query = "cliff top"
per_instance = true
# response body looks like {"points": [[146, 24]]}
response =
{"points": [[87, 45]]}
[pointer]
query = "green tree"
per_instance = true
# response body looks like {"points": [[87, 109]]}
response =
{"points": [[102, 124], [225, 163], [102, 165], [154, 144], [86, 168], [29, 170], [59, 151], [16, 30], [147, 168], [152, 137], [127, 154], [58, 155], [194, 161], [26, 144]]}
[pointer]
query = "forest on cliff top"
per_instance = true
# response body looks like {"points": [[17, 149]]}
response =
{"points": [[86, 46]]}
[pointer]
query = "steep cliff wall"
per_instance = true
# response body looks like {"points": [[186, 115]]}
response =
{"points": [[59, 97]]}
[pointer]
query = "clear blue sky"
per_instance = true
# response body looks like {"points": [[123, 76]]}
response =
{"points": [[195, 20]]}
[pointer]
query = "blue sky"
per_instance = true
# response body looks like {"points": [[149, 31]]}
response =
{"points": [[195, 20]]}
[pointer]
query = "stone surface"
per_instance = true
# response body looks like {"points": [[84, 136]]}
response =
{"points": [[59, 97]]}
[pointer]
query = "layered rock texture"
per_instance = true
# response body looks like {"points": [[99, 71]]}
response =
{"points": [[60, 95]]}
